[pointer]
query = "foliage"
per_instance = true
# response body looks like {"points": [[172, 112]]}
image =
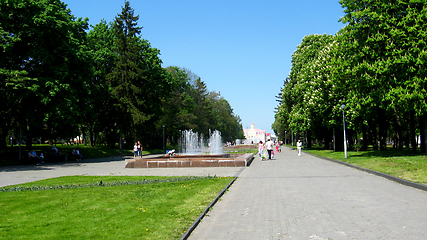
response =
{"points": [[102, 112], [43, 66], [191, 106], [308, 99], [309, 87], [388, 54], [104, 86], [374, 66]]}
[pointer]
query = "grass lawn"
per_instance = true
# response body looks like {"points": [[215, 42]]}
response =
{"points": [[163, 208], [399, 163], [241, 151]]}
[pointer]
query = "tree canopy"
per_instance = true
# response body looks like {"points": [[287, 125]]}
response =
{"points": [[373, 66], [61, 78]]}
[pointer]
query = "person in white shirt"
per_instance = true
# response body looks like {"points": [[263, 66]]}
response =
{"points": [[135, 150], [269, 145], [299, 145]]}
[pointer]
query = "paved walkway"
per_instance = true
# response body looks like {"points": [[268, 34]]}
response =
{"points": [[306, 197], [290, 197], [100, 167]]}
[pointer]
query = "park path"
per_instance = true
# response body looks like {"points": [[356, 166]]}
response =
{"points": [[305, 197], [100, 167]]}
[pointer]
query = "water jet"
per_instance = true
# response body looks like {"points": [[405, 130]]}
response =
{"points": [[194, 153]]}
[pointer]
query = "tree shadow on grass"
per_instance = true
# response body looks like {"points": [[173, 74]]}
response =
{"points": [[388, 153], [25, 166]]}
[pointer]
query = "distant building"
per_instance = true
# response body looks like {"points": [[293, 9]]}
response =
{"points": [[271, 136], [254, 135]]}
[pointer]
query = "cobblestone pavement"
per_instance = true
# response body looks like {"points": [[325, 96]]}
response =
{"points": [[305, 197]]}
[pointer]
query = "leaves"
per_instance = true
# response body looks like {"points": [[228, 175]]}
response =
{"points": [[374, 66], [59, 81]]}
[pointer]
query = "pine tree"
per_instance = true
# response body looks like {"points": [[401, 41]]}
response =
{"points": [[127, 76]]}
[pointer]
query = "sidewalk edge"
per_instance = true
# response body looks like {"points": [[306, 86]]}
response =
{"points": [[207, 209]]}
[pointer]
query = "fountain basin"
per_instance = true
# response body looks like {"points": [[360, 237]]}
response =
{"points": [[214, 160]]}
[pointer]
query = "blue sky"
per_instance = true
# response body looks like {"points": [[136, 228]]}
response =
{"points": [[241, 48]]}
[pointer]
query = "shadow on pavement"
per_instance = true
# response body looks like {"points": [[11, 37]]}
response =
{"points": [[48, 166]]}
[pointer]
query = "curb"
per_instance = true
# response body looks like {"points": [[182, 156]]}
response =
{"points": [[199, 219], [380, 174]]}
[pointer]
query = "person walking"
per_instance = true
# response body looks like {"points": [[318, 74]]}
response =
{"points": [[299, 145], [135, 150], [269, 146], [260, 148], [140, 148]]}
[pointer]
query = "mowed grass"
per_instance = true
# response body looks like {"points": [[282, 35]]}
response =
{"points": [[162, 210], [401, 164]]}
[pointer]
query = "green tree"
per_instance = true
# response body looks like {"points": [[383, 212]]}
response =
{"points": [[385, 46], [43, 63], [103, 113], [202, 107], [189, 105], [223, 118], [138, 81], [308, 101], [177, 107], [155, 87], [126, 77]]}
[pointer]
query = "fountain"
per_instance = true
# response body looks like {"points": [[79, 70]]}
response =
{"points": [[215, 143], [191, 143], [195, 153]]}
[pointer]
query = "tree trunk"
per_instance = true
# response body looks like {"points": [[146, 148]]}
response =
{"points": [[308, 139], [398, 133], [29, 137], [334, 139], [3, 137], [91, 141], [412, 133], [365, 138], [423, 131], [374, 136], [382, 128], [350, 140], [95, 138], [339, 139], [327, 136], [120, 138], [83, 130]]}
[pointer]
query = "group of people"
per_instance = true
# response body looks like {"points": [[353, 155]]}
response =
{"points": [[32, 155], [55, 154], [229, 144], [137, 150], [76, 154], [269, 146]]}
